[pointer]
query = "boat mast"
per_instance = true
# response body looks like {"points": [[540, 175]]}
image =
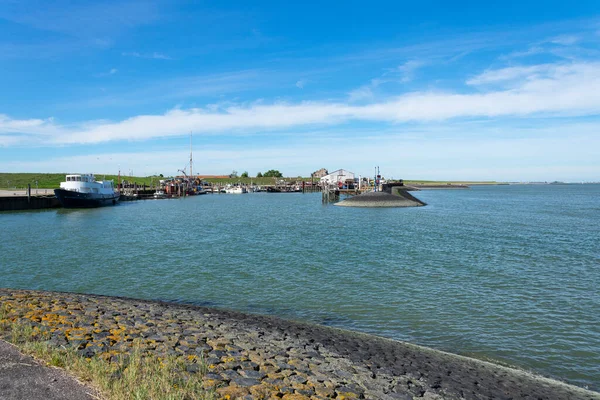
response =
{"points": [[191, 173]]}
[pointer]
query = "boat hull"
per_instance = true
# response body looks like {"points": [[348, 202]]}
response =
{"points": [[71, 199]]}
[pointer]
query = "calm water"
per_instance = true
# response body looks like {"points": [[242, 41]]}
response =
{"points": [[509, 273]]}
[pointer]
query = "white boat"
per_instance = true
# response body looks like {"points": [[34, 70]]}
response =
{"points": [[160, 194], [84, 191], [235, 190]]}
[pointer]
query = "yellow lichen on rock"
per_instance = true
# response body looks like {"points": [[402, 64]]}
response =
{"points": [[232, 392]]}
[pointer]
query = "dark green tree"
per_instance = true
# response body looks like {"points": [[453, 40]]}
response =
{"points": [[259, 175], [273, 173], [245, 174]]}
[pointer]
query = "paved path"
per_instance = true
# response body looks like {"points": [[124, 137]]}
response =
{"points": [[22, 377], [21, 192]]}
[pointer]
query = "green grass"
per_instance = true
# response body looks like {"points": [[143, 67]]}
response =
{"points": [[257, 181], [20, 180], [51, 181], [133, 376], [425, 182]]}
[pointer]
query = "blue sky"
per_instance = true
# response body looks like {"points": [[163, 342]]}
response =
{"points": [[434, 90]]}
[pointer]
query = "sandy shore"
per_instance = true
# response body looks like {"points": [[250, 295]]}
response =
{"points": [[266, 357]]}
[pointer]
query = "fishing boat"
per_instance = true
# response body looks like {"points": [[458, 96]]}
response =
{"points": [[84, 191], [235, 190], [160, 194]]}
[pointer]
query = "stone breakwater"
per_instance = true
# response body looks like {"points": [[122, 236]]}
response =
{"points": [[395, 197], [252, 357]]}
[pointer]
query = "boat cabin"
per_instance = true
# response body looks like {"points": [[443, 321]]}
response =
{"points": [[86, 183], [81, 178]]}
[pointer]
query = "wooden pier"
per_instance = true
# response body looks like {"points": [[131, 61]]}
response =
{"points": [[333, 194]]}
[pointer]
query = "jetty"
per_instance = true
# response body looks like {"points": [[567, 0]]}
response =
{"points": [[389, 195], [400, 198]]}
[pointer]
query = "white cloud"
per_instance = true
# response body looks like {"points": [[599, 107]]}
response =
{"points": [[155, 55], [526, 77], [363, 93], [557, 90], [93, 20], [408, 69], [160, 56], [534, 50], [110, 72], [12, 125], [565, 40], [300, 84], [530, 154], [175, 89], [509, 74], [10, 140], [29, 126], [402, 74]]}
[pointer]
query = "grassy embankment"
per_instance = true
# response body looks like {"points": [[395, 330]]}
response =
{"points": [[135, 376], [437, 183], [51, 181]]}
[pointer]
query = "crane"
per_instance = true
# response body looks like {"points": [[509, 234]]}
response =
{"points": [[188, 181]]}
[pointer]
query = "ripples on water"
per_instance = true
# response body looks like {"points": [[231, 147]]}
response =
{"points": [[507, 273]]}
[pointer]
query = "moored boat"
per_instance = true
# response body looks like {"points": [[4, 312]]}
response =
{"points": [[235, 190], [84, 191], [160, 194]]}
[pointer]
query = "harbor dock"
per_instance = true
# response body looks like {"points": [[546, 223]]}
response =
{"points": [[35, 199], [16, 200], [19, 199]]}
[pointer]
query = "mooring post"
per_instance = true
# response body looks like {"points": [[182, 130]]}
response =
{"points": [[29, 192]]}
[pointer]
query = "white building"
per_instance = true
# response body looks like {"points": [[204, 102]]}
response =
{"points": [[334, 178]]}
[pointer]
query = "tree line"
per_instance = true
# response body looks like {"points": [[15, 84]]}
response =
{"points": [[270, 173]]}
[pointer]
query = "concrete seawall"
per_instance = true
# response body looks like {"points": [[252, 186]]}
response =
{"points": [[251, 356], [395, 196], [16, 203]]}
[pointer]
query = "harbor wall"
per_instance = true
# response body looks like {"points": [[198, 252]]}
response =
{"points": [[16, 203]]}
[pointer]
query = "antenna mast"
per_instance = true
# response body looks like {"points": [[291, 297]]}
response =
{"points": [[191, 174]]}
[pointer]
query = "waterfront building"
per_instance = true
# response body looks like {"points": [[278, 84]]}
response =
{"points": [[319, 173], [338, 177]]}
